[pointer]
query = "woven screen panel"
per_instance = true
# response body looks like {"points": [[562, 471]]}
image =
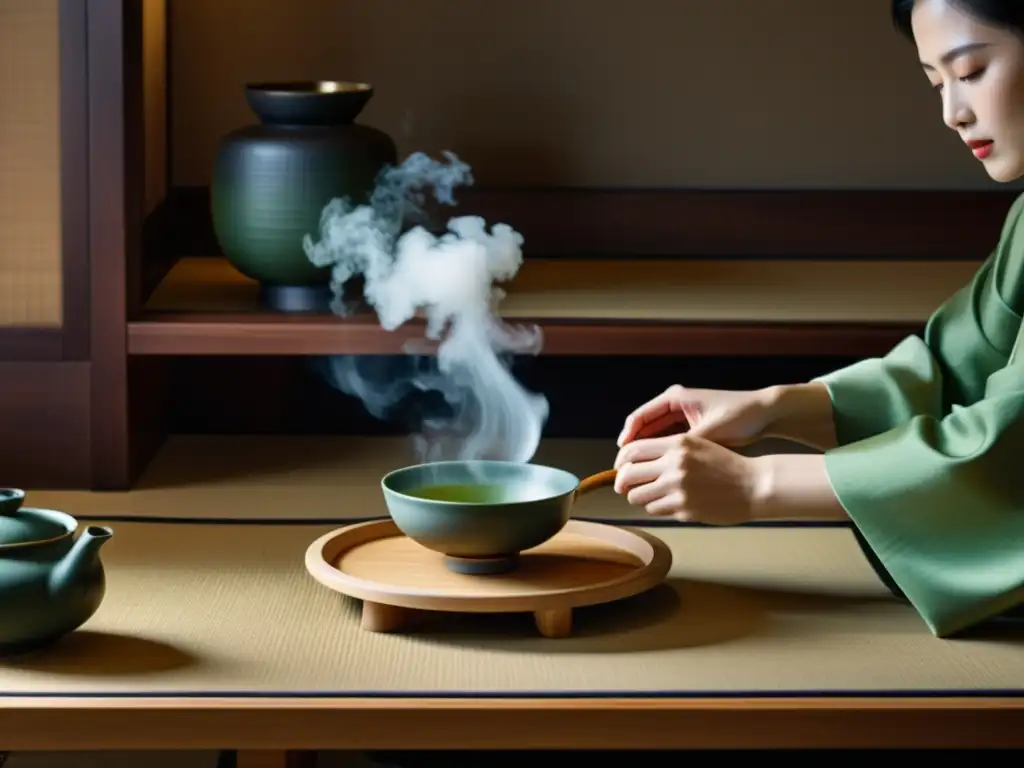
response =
{"points": [[31, 272]]}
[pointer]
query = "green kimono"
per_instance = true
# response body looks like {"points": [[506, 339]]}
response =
{"points": [[930, 457]]}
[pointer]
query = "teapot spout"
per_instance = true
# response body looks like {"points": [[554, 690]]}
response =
{"points": [[81, 558]]}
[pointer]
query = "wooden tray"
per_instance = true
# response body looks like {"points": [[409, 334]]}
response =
{"points": [[585, 564]]}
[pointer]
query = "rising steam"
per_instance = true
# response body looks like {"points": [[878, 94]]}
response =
{"points": [[449, 280]]}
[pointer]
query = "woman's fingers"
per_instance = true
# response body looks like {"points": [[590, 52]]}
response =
{"points": [[661, 412], [653, 494], [631, 475], [659, 425], [647, 450]]}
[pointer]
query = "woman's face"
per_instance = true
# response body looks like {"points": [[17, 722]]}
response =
{"points": [[978, 71]]}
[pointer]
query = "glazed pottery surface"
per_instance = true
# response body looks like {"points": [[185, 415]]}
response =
{"points": [[50, 582], [271, 182], [480, 514]]}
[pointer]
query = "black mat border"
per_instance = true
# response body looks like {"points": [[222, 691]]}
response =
{"points": [[782, 695], [310, 521]]}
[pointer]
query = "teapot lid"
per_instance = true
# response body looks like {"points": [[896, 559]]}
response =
{"points": [[24, 526]]}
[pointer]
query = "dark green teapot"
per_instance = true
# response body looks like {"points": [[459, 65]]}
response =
{"points": [[50, 582]]}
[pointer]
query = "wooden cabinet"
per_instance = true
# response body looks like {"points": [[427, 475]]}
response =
{"points": [[119, 321]]}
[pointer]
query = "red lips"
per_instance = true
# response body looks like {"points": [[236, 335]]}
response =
{"points": [[981, 147]]}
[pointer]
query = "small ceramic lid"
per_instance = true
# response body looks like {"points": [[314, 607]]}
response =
{"points": [[22, 526]]}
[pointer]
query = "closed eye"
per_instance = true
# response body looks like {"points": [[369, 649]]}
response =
{"points": [[972, 77]]}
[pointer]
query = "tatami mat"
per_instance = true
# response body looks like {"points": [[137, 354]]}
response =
{"points": [[222, 609], [304, 478]]}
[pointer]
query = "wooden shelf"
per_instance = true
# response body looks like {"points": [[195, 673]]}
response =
{"points": [[610, 307]]}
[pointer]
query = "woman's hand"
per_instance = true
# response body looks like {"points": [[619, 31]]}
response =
{"points": [[689, 478], [801, 413], [733, 418], [696, 480]]}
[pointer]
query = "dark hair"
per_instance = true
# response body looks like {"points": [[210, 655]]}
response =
{"points": [[1007, 14]]}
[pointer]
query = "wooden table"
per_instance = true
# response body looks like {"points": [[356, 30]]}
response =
{"points": [[277, 733], [277, 729]]}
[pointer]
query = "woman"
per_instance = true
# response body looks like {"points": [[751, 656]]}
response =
{"points": [[923, 449]]}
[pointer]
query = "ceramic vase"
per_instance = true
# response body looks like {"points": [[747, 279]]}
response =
{"points": [[272, 180]]}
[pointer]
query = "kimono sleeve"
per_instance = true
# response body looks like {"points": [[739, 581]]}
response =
{"points": [[965, 341], [940, 502], [930, 462]]}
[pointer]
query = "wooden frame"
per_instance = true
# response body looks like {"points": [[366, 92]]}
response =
{"points": [[296, 724], [126, 395], [192, 334], [115, 97]]}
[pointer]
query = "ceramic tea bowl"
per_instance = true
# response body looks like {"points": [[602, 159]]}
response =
{"points": [[482, 514]]}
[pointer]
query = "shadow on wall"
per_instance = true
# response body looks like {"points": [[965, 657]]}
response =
{"points": [[533, 157], [590, 92]]}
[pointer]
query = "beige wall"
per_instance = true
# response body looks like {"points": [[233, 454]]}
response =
{"points": [[753, 93], [30, 225]]}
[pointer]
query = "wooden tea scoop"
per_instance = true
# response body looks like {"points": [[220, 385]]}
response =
{"points": [[598, 480]]}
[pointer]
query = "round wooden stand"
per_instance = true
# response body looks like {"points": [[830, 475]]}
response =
{"points": [[585, 564]]}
